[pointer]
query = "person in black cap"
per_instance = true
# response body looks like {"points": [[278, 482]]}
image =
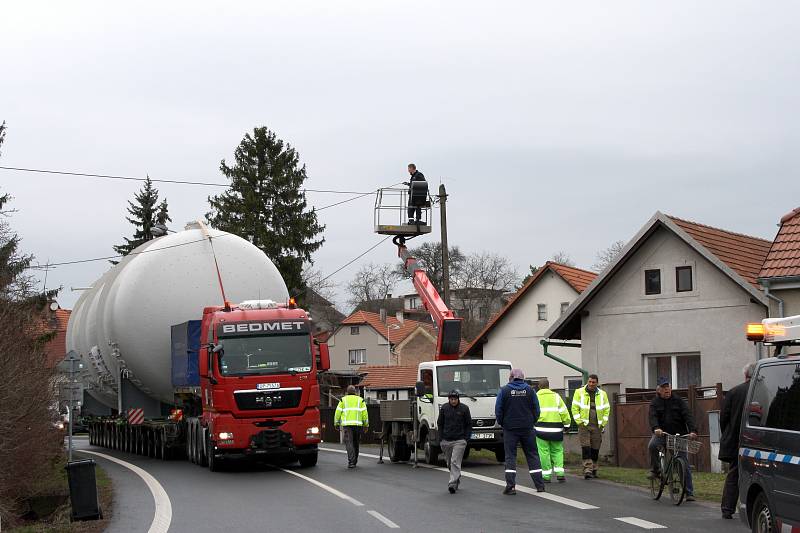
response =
{"points": [[455, 426], [669, 414], [417, 194]]}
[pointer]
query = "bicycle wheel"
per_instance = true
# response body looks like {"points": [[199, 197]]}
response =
{"points": [[676, 480], [656, 487]]}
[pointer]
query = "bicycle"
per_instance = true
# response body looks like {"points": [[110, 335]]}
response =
{"points": [[673, 468]]}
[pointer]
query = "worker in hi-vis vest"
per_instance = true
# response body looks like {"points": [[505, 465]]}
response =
{"points": [[590, 410], [553, 421], [351, 415]]}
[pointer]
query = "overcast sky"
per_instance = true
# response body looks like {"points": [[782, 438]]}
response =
{"points": [[555, 126]]}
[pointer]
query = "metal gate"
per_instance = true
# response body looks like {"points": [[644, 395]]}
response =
{"points": [[630, 412]]}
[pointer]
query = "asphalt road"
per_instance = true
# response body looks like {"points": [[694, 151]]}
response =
{"points": [[378, 497]]}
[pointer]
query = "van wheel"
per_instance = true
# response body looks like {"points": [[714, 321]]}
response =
{"points": [[762, 518], [431, 451]]}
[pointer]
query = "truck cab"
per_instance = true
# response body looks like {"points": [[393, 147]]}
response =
{"points": [[259, 393], [478, 382]]}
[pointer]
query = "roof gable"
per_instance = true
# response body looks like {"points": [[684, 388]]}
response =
{"points": [[397, 330], [783, 259], [576, 278], [738, 256]]}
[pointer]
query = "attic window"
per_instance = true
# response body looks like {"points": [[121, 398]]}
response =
{"points": [[353, 330], [564, 307], [542, 311], [683, 278], [652, 281]]}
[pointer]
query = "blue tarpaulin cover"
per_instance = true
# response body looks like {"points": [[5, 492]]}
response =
{"points": [[185, 353]]}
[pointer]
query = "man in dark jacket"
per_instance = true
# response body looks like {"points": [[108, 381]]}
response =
{"points": [[669, 414], [455, 426], [517, 410], [415, 201], [730, 422]]}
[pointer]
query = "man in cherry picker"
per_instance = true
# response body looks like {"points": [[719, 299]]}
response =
{"points": [[669, 414], [417, 194]]}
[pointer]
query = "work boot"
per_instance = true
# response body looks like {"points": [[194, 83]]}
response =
{"points": [[689, 498], [594, 473], [547, 480], [562, 479], [727, 516], [540, 489], [452, 488], [510, 491], [587, 475]]}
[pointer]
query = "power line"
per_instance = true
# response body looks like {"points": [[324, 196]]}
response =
{"points": [[175, 181]]}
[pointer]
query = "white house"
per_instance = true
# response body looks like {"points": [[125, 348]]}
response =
{"points": [[515, 332]]}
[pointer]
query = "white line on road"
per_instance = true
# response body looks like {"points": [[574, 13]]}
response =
{"points": [[383, 519], [323, 486], [163, 514], [500, 483], [644, 524]]}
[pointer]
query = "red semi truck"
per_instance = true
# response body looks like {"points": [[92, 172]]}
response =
{"points": [[245, 386]]}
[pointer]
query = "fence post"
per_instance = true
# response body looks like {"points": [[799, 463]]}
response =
{"points": [[616, 426]]}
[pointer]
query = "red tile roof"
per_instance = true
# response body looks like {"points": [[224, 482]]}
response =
{"points": [[389, 377], [396, 334], [783, 258], [56, 349], [577, 278], [742, 253]]}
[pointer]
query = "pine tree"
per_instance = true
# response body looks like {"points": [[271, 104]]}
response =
{"points": [[266, 205], [145, 212]]}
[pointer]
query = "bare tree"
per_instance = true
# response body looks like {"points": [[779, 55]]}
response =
{"points": [[429, 257], [372, 282], [479, 289], [607, 256], [563, 258]]}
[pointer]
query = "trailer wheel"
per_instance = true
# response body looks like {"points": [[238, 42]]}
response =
{"points": [[398, 449], [165, 451], [213, 462], [202, 458], [190, 443]]}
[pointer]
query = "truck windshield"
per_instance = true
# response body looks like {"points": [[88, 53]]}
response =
{"points": [[472, 380], [274, 354]]}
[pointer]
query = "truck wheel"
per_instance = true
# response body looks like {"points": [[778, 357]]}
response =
{"points": [[165, 450], [202, 459], [431, 452], [308, 460], [213, 462], [500, 455], [190, 444]]}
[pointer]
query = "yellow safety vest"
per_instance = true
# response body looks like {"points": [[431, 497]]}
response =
{"points": [[351, 411], [552, 409], [581, 403]]}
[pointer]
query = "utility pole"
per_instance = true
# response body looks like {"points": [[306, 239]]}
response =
{"points": [[445, 248]]}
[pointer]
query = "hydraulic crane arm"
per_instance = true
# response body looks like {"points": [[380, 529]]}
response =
{"points": [[448, 340]]}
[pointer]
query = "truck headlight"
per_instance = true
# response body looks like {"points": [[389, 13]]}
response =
{"points": [[312, 431], [225, 436]]}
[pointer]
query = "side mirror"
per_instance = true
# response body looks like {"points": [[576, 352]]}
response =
{"points": [[420, 386], [324, 361]]}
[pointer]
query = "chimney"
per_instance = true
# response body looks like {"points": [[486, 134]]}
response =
{"points": [[399, 316], [383, 315]]}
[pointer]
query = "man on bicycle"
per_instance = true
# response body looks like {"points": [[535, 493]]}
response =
{"points": [[669, 414]]}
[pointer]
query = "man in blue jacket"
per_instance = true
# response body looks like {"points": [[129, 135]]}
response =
{"points": [[517, 410]]}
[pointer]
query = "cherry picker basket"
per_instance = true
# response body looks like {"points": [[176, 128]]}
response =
{"points": [[393, 211]]}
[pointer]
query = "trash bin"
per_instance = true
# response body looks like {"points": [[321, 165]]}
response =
{"points": [[83, 490]]}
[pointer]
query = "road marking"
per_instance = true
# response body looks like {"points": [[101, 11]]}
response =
{"points": [[163, 514], [500, 483], [323, 486], [644, 524], [383, 519]]}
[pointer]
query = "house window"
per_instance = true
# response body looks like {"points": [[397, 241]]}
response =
{"points": [[413, 302], [652, 281], [381, 395], [357, 357], [682, 370], [572, 383], [564, 307], [483, 313], [542, 310], [683, 278], [353, 330]]}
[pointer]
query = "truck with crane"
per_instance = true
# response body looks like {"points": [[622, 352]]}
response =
{"points": [[183, 377], [409, 425]]}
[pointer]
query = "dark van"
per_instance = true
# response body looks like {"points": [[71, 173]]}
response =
{"points": [[769, 453]]}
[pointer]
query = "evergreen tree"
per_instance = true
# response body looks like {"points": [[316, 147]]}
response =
{"points": [[145, 212], [266, 205]]}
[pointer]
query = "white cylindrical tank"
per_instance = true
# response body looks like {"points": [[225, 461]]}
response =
{"points": [[123, 321]]}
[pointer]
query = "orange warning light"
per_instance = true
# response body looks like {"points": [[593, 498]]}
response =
{"points": [[755, 332]]}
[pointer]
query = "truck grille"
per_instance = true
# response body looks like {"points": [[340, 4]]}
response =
{"points": [[482, 422], [261, 400], [271, 440]]}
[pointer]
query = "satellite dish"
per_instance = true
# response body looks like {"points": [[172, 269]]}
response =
{"points": [[54, 306]]}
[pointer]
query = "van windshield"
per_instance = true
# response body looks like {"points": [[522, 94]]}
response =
{"points": [[274, 354], [472, 380]]}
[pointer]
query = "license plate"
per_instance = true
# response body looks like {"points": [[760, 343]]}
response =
{"points": [[483, 435], [268, 386]]}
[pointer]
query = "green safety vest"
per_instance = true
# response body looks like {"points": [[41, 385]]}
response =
{"points": [[552, 409], [580, 407], [351, 411]]}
